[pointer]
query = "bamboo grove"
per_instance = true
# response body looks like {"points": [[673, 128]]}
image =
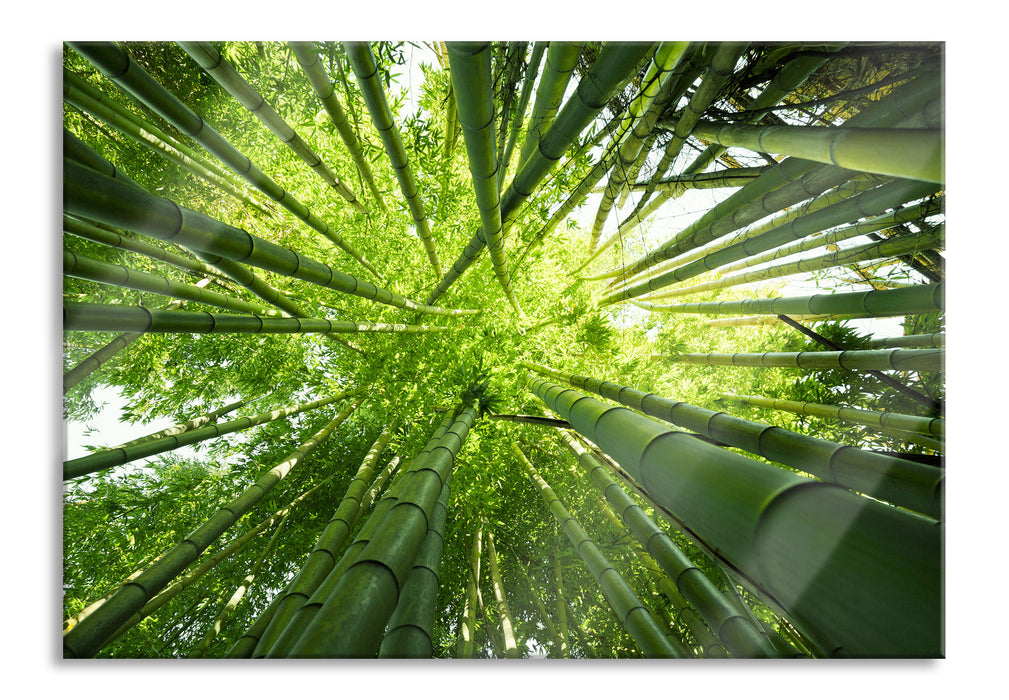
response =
{"points": [[504, 349]]}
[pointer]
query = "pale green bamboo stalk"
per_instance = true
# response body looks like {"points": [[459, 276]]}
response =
{"points": [[858, 577], [112, 457], [919, 299], [85, 367], [309, 61], [211, 60], [885, 249], [633, 615], [905, 483], [647, 144], [236, 597], [563, 651], [116, 65], [917, 154], [916, 360], [746, 206], [936, 427], [876, 223], [537, 601], [869, 203], [560, 62], [362, 61], [535, 57], [656, 90], [96, 196], [832, 196], [759, 320], [735, 634], [93, 632], [138, 319], [497, 585], [784, 82], [925, 340], [190, 424], [471, 82]]}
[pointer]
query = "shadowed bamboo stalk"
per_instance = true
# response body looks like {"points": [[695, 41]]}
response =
{"points": [[95, 196], [916, 154], [631, 613], [236, 597], [858, 577], [409, 632], [471, 83], [361, 598], [327, 548], [309, 61], [93, 632], [243, 647], [113, 457], [193, 575], [116, 65], [532, 69], [917, 360], [507, 632], [936, 427], [82, 229], [611, 71], [138, 319], [735, 633], [362, 61], [210, 60], [889, 478], [293, 628]]}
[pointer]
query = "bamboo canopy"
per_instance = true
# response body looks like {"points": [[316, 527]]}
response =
{"points": [[597, 480]]}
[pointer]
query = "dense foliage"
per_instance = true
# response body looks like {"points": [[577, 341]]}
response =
{"points": [[120, 520]]}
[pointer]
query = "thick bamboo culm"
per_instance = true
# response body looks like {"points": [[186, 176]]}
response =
{"points": [[856, 576], [892, 479]]}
